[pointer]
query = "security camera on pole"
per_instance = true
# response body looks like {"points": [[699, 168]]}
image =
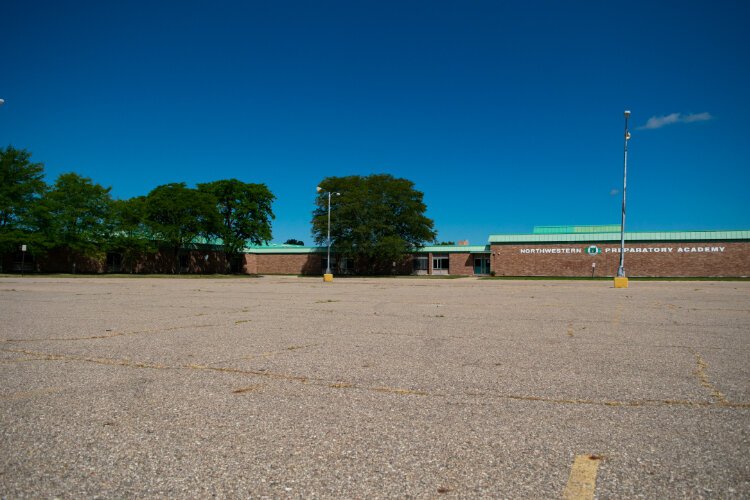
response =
{"points": [[620, 280], [328, 276]]}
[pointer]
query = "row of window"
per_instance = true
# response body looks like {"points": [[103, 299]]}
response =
{"points": [[441, 262], [438, 262]]}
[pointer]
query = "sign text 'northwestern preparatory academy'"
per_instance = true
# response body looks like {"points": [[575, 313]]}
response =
{"points": [[593, 250]]}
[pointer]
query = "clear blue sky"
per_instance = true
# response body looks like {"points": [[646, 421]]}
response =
{"points": [[505, 114]]}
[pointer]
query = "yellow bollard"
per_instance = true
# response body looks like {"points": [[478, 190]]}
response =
{"points": [[328, 277], [621, 282]]}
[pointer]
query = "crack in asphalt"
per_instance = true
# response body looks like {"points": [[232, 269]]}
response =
{"points": [[114, 334], [702, 374], [338, 384]]}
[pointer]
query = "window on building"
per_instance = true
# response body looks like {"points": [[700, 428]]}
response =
{"points": [[420, 263], [440, 262]]}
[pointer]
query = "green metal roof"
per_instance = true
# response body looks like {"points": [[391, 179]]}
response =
{"points": [[615, 236], [294, 249], [541, 234], [455, 249], [610, 228], [283, 249]]}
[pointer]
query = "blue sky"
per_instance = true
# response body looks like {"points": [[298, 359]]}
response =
{"points": [[505, 115]]}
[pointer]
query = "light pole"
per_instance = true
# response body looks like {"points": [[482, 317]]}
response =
{"points": [[623, 282], [328, 275]]}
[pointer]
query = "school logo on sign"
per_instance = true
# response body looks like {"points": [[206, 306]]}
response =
{"points": [[593, 250]]}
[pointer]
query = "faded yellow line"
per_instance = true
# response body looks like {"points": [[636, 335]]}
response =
{"points": [[111, 335], [31, 394], [339, 384], [398, 390], [249, 388], [618, 315], [582, 481], [99, 361]]}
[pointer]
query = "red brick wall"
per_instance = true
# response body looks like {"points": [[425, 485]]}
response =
{"points": [[310, 264], [251, 263], [521, 260], [306, 263], [461, 264]]}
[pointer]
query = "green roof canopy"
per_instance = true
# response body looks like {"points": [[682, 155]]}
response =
{"points": [[540, 235], [610, 228], [283, 249], [455, 249], [574, 237]]}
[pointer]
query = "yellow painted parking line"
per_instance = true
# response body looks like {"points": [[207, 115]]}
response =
{"points": [[582, 481], [618, 315], [31, 394]]}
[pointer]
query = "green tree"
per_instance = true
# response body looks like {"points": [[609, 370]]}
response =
{"points": [[74, 215], [21, 186], [129, 233], [176, 215], [292, 241], [244, 211], [376, 220]]}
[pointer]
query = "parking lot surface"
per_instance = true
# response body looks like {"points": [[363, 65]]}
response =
{"points": [[291, 387]]}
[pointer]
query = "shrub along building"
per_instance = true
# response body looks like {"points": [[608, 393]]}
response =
{"points": [[548, 251]]}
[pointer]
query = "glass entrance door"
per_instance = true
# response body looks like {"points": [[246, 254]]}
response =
{"points": [[481, 264]]}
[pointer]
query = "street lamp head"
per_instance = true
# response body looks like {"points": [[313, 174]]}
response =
{"points": [[627, 113], [319, 189], [337, 194]]}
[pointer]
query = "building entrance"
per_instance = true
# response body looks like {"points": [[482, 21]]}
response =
{"points": [[481, 264]]}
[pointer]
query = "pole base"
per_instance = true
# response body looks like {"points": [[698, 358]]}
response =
{"points": [[328, 277], [621, 282]]}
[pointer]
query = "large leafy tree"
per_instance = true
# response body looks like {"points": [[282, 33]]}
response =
{"points": [[244, 210], [74, 214], [176, 215], [376, 220], [128, 231], [21, 186]]}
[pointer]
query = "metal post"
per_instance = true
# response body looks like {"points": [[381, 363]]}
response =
{"points": [[328, 262], [328, 276], [621, 269]]}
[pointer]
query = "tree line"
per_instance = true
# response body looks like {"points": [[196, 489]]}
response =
{"points": [[377, 220], [80, 216]]}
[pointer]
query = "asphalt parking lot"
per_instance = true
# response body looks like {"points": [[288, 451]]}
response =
{"points": [[291, 387]]}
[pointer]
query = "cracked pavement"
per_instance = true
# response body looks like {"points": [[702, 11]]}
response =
{"points": [[291, 387]]}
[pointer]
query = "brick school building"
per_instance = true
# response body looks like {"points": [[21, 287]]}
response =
{"points": [[583, 251]]}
